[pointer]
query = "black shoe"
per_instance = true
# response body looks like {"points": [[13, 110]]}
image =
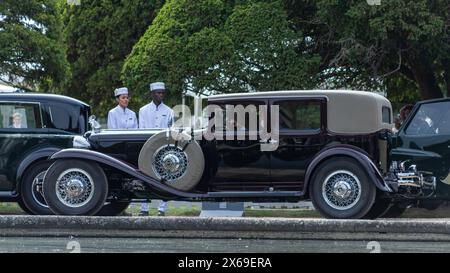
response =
{"points": [[143, 213], [161, 213]]}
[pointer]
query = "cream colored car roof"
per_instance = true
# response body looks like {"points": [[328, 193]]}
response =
{"points": [[348, 111]]}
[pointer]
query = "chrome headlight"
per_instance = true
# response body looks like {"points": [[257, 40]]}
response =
{"points": [[80, 142]]}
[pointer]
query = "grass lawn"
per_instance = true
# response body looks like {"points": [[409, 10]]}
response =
{"points": [[14, 209], [442, 212]]}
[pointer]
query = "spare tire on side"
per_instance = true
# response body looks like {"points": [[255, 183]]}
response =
{"points": [[174, 158]]}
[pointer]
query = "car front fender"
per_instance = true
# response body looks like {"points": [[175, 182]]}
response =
{"points": [[125, 167]]}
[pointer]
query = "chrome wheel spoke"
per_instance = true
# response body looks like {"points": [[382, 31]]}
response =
{"points": [[170, 162], [74, 188], [341, 190]]}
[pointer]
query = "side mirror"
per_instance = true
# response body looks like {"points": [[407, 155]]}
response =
{"points": [[95, 126]]}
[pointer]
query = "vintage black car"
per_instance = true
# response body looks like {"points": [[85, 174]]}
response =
{"points": [[333, 147], [32, 127]]}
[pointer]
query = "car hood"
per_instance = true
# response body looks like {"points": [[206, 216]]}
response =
{"points": [[122, 135]]}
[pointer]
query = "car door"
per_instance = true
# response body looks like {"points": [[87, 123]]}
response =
{"points": [[20, 124], [428, 132], [301, 125], [241, 165]]}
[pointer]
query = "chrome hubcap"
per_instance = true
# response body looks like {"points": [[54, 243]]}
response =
{"points": [[74, 188], [341, 190], [170, 162]]}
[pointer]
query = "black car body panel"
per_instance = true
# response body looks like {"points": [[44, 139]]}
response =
{"points": [[52, 122], [368, 168], [238, 168], [424, 140]]}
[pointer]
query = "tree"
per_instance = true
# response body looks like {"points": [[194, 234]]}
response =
{"points": [[398, 44], [220, 46], [99, 35], [32, 54]]}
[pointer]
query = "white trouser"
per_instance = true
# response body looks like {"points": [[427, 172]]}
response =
{"points": [[162, 206]]}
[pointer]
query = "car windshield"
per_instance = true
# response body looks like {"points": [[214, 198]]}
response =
{"points": [[431, 119]]}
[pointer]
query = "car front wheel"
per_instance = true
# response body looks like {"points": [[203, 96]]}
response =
{"points": [[31, 189], [75, 187], [341, 189]]}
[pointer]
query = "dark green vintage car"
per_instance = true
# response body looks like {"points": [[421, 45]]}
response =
{"points": [[33, 127], [335, 148]]}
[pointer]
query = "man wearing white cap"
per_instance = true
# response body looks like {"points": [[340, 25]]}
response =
{"points": [[155, 115], [121, 117]]}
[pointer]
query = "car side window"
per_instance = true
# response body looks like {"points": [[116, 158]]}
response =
{"points": [[386, 114], [65, 117], [431, 119], [244, 115], [299, 115], [18, 115]]}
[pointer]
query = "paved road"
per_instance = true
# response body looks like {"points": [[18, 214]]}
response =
{"points": [[224, 235], [65, 245]]}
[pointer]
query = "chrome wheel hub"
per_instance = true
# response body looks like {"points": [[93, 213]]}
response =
{"points": [[74, 188], [170, 162], [341, 190]]}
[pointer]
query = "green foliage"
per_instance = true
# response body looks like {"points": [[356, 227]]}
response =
{"points": [[400, 41], [266, 56], [220, 46], [32, 55], [99, 35]]}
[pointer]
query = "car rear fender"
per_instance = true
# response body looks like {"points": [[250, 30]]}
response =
{"points": [[122, 166], [348, 151]]}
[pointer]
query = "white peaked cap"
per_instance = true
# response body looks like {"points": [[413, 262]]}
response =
{"points": [[120, 91], [157, 86]]}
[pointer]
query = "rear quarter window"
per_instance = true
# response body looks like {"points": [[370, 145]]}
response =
{"points": [[386, 114]]}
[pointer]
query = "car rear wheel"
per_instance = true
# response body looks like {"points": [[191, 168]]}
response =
{"points": [[113, 208], [172, 157], [31, 189], [341, 189], [75, 187]]}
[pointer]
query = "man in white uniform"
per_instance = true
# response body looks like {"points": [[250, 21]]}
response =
{"points": [[121, 117], [155, 115]]}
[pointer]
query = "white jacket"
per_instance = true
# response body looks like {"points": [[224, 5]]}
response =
{"points": [[152, 116], [119, 118]]}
